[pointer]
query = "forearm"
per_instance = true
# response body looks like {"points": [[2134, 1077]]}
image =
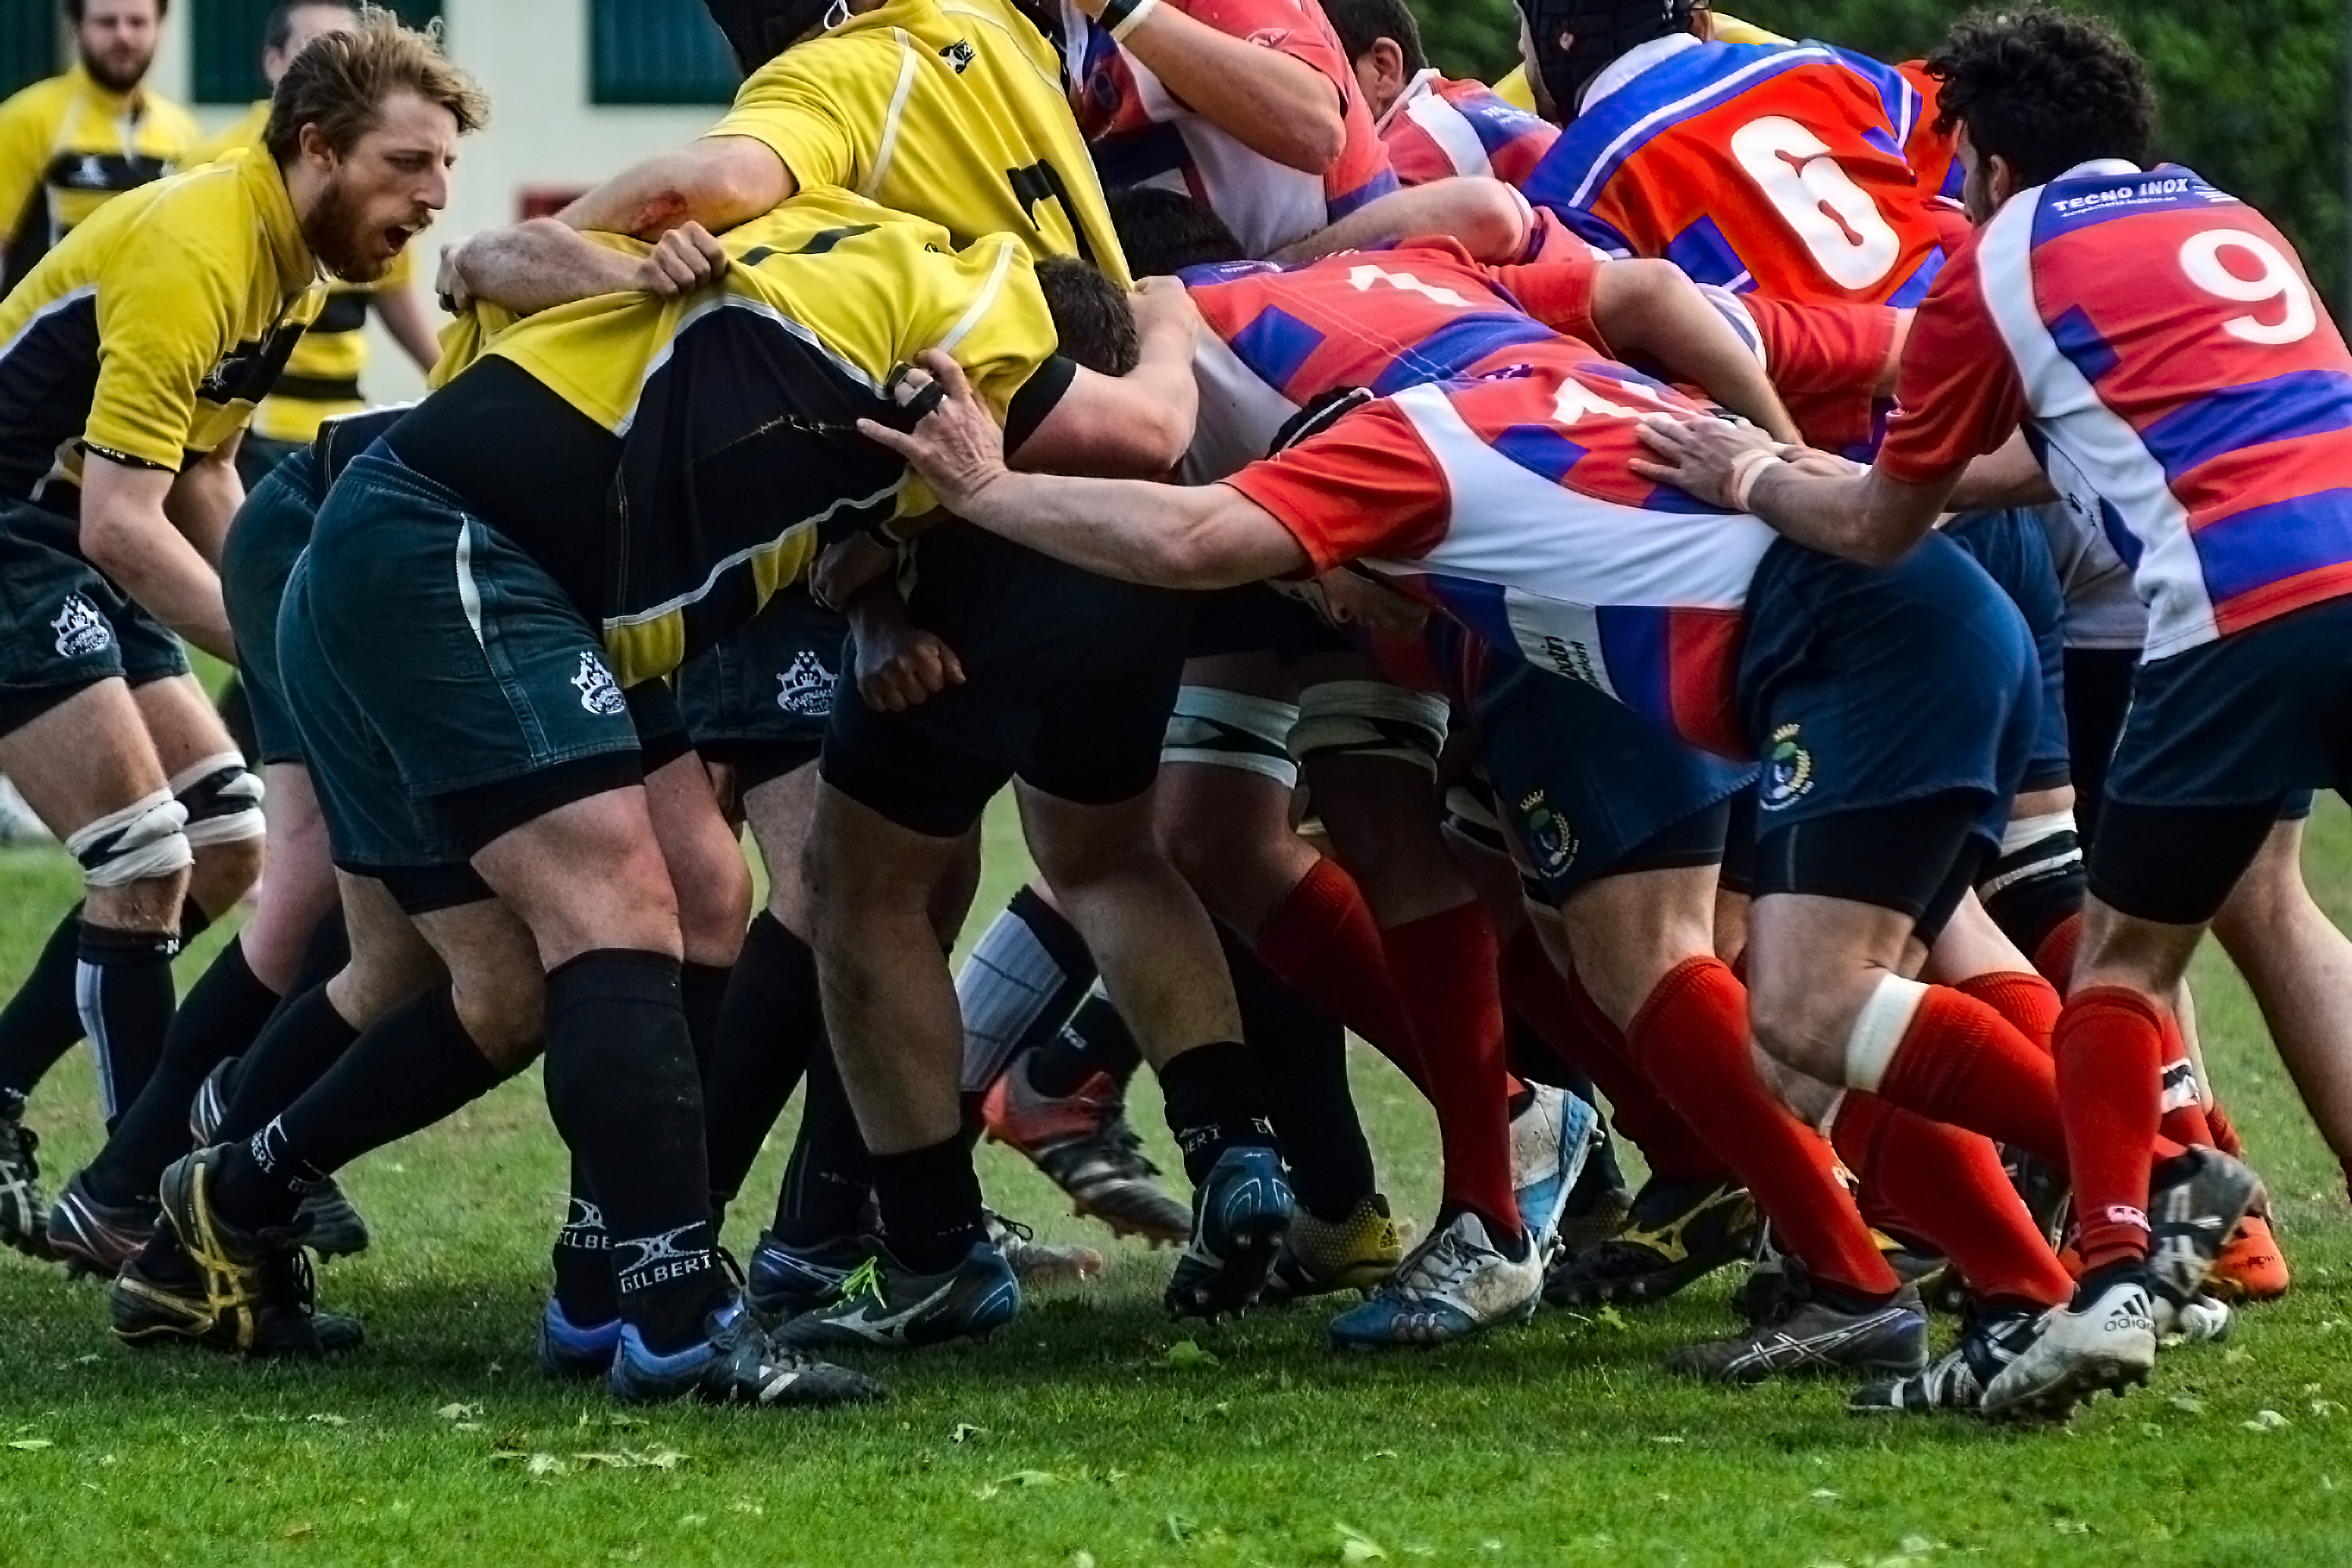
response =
{"points": [[1860, 518], [204, 502], [1660, 316], [718, 182], [150, 559], [540, 264], [1487, 218], [1131, 529], [1278, 105]]}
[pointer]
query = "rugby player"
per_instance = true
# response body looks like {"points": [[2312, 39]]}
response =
{"points": [[1435, 127]]}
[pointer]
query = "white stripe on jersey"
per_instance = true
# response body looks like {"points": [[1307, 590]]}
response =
{"points": [[1455, 136], [2112, 460], [1240, 414]]}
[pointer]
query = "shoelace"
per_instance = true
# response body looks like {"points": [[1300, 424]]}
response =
{"points": [[1445, 1260], [17, 1145]]}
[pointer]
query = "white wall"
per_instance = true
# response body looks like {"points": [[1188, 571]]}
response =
{"points": [[531, 57]]}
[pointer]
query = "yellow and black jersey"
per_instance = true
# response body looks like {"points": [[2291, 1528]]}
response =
{"points": [[68, 146], [153, 331], [727, 418], [321, 381], [950, 109]]}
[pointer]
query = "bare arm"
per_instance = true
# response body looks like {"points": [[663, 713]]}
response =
{"points": [[717, 181], [1652, 310], [1275, 105], [544, 263], [1137, 424], [402, 311], [1488, 218], [128, 533], [1866, 517], [1166, 535], [2010, 477], [203, 502]]}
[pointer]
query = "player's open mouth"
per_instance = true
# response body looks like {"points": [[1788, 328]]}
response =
{"points": [[396, 238]]}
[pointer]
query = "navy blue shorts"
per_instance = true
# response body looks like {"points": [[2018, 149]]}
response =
{"points": [[1584, 786], [760, 699], [1866, 687], [2014, 549], [270, 532], [1253, 618], [66, 626]]}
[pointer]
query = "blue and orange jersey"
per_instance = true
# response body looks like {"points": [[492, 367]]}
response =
{"points": [[1438, 128], [1780, 168], [1143, 135], [1509, 502], [1279, 337], [2164, 348]]}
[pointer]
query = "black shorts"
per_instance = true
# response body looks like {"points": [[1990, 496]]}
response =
{"points": [[1253, 618], [761, 699], [66, 626], [1069, 680]]}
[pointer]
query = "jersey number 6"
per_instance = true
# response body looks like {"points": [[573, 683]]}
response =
{"points": [[1835, 218]]}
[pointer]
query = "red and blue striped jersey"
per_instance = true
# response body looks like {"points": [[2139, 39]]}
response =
{"points": [[1508, 502], [1438, 128], [2178, 374], [1777, 168], [1143, 134]]}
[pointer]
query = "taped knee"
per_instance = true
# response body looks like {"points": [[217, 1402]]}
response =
{"points": [[223, 797], [1232, 730], [1370, 719], [2036, 880], [145, 839]]}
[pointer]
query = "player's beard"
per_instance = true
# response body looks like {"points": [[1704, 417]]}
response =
{"points": [[337, 234], [118, 72]]}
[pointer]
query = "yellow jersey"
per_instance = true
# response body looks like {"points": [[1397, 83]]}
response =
{"points": [[153, 330], [68, 146], [949, 110], [1728, 29], [321, 380], [714, 397]]}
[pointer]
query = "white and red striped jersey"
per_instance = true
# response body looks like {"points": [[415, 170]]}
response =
{"points": [[1439, 128]]}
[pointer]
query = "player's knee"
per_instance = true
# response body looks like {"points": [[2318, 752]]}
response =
{"points": [[1218, 729], [1369, 718], [2037, 879], [504, 1012], [135, 856], [1791, 1026]]}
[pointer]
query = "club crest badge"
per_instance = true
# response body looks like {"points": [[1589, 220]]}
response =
{"points": [[599, 692], [1788, 769], [807, 686], [1548, 837], [80, 630]]}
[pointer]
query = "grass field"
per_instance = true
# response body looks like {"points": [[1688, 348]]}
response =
{"points": [[1085, 1435]]}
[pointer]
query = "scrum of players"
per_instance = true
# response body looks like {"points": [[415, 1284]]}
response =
{"points": [[1777, 593]]}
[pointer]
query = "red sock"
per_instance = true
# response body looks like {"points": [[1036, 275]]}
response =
{"points": [[1581, 1035], [2055, 956], [1691, 1037], [1961, 1062], [2028, 1001], [2225, 1134], [2110, 1068], [1947, 1187], [1444, 970], [2185, 1122], [1321, 942]]}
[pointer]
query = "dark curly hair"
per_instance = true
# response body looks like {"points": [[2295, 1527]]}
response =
{"points": [[2044, 90]]}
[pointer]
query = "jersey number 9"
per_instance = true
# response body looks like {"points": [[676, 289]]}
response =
{"points": [[2201, 258]]}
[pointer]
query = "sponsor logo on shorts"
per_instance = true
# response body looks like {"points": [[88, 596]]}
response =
{"points": [[1549, 839], [81, 629], [1788, 769], [599, 692], [807, 686]]}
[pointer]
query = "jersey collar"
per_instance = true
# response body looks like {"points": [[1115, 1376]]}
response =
{"points": [[1621, 70], [2100, 169], [1423, 84], [132, 103]]}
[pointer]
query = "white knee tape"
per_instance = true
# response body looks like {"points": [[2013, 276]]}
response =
{"points": [[1370, 719], [2179, 1086], [223, 797], [1879, 1030], [2027, 831], [144, 839], [1232, 730]]}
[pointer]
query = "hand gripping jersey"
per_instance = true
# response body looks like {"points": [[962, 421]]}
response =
{"points": [[1779, 169], [1143, 135], [2180, 376], [1280, 337], [1438, 128], [1507, 500], [153, 330], [68, 146], [949, 110]]}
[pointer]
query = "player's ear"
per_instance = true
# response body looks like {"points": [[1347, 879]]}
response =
{"points": [[2001, 180]]}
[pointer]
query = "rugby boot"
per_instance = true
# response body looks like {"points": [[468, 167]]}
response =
{"points": [[93, 1237], [165, 1299], [1678, 1232], [1549, 1138], [882, 1305], [2195, 1201], [336, 1229], [1600, 1204], [785, 1281], [1240, 1214], [2202, 1319], [2251, 1268], [1455, 1284], [1801, 1334], [1084, 1144], [737, 1362], [23, 1217], [254, 1287], [1318, 1257], [2105, 1338], [1956, 1380], [1037, 1262], [569, 1349]]}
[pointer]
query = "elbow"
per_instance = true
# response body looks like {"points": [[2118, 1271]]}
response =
{"points": [[1313, 142], [105, 543], [1491, 221], [1877, 546]]}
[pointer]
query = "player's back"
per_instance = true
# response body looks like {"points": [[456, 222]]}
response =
{"points": [[2176, 356], [1779, 169], [1438, 128]]}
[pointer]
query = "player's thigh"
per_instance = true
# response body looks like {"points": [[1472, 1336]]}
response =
{"points": [[87, 757]]}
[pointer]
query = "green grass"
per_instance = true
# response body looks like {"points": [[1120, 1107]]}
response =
{"points": [[1074, 1438]]}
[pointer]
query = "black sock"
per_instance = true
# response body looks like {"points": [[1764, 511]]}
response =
{"points": [[1302, 1054], [830, 1173], [1214, 1102], [768, 1025], [1096, 1039], [123, 984], [407, 1071], [223, 1011], [297, 1045], [622, 1086], [583, 1256], [930, 1201], [1533, 1060], [42, 1022], [701, 991]]}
